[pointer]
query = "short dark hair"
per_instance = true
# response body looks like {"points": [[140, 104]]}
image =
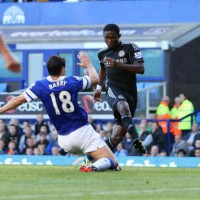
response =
{"points": [[111, 27], [55, 65]]}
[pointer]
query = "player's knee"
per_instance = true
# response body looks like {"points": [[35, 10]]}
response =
{"points": [[123, 108]]}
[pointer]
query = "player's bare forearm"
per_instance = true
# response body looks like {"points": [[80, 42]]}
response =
{"points": [[13, 103], [102, 75], [93, 74]]}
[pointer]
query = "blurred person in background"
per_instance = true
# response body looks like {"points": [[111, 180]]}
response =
{"points": [[120, 150], [12, 135], [154, 151], [197, 152], [185, 108], [53, 142], [28, 133], [158, 136], [119, 64], [179, 143], [15, 121], [12, 148], [163, 113], [3, 131], [2, 147], [145, 135], [55, 151], [181, 153], [191, 136], [174, 116], [39, 123]]}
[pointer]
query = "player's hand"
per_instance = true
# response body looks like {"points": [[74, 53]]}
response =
{"points": [[110, 62], [84, 59], [97, 95]]}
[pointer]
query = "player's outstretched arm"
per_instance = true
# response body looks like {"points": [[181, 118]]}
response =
{"points": [[13, 103], [11, 63], [86, 63]]}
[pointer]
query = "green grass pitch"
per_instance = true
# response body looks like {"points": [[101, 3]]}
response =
{"points": [[60, 183]]}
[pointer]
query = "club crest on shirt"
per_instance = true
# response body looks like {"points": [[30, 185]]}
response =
{"points": [[120, 97], [138, 55], [121, 53]]}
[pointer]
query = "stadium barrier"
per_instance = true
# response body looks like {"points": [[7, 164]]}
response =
{"points": [[131, 161]]}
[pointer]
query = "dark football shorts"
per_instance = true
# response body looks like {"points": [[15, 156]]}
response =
{"points": [[114, 95]]}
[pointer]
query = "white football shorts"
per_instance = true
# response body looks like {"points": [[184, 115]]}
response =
{"points": [[81, 141]]}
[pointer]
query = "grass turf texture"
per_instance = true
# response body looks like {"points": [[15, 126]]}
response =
{"points": [[60, 183]]}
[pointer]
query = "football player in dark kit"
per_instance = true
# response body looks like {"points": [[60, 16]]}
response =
{"points": [[120, 62]]}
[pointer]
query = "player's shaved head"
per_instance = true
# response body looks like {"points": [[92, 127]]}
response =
{"points": [[111, 27]]}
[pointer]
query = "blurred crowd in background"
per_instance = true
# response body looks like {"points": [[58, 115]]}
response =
{"points": [[40, 137]]}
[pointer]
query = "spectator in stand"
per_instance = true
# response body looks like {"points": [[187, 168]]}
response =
{"points": [[12, 135], [53, 143], [55, 151], [44, 131], [12, 148], [154, 151], [103, 135], [15, 121], [174, 116], [163, 153], [120, 151], [30, 143], [158, 136], [179, 144], [28, 133], [3, 131], [128, 145], [191, 136], [196, 146], [145, 135], [99, 127], [39, 123], [41, 148], [163, 113], [197, 152], [181, 153], [42, 140], [36, 151], [25, 124], [2, 147], [29, 151], [147, 124], [185, 108], [109, 128]]}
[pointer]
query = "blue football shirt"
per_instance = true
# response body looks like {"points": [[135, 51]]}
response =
{"points": [[60, 99]]}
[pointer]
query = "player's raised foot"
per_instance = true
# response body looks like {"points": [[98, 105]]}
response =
{"points": [[87, 169], [139, 146]]}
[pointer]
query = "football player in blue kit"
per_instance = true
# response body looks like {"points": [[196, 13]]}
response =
{"points": [[59, 94], [119, 64]]}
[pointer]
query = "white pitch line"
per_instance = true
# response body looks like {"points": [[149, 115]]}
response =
{"points": [[79, 194]]}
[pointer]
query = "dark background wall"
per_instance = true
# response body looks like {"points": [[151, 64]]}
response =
{"points": [[183, 73]]}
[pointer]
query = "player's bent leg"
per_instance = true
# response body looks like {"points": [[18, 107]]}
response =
{"points": [[117, 135], [105, 159]]}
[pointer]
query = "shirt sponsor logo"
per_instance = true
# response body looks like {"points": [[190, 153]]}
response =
{"points": [[121, 53], [13, 15]]}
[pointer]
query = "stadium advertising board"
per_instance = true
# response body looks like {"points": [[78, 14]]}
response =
{"points": [[131, 161], [100, 110]]}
